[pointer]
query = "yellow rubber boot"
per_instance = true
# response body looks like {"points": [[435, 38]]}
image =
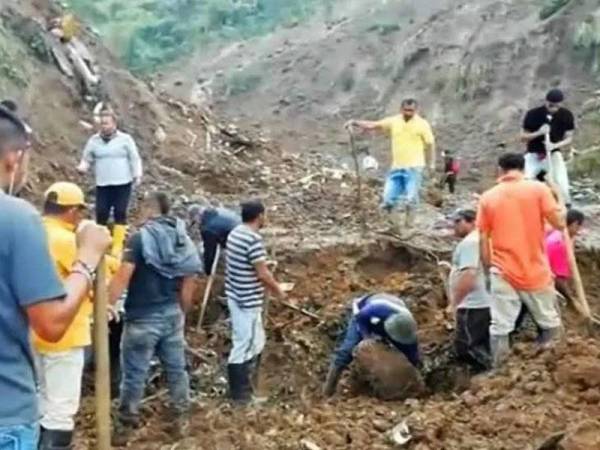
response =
{"points": [[119, 234]]}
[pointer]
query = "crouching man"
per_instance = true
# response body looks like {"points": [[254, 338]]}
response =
{"points": [[379, 324], [159, 270]]}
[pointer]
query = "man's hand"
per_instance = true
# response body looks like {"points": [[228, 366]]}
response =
{"points": [[113, 313], [137, 181], [350, 124], [83, 167], [93, 241], [544, 130]]}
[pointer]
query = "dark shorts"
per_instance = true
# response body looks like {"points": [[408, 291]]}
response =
{"points": [[472, 340]]}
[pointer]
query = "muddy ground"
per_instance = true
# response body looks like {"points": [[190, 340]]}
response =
{"points": [[537, 395]]}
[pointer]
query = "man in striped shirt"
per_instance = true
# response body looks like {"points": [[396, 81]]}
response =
{"points": [[247, 276]]}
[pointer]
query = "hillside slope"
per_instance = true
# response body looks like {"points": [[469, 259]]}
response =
{"points": [[475, 65]]}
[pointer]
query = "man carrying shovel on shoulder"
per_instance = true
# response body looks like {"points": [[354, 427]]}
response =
{"points": [[411, 139]]}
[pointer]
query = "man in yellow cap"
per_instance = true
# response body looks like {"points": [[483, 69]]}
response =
{"points": [[60, 364]]}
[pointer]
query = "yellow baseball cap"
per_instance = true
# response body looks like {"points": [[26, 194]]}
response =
{"points": [[65, 194]]}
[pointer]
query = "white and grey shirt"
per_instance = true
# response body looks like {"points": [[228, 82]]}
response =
{"points": [[245, 248], [115, 162], [466, 256]]}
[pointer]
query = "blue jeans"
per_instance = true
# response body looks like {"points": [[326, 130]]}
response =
{"points": [[402, 187], [162, 335], [352, 337], [19, 437]]}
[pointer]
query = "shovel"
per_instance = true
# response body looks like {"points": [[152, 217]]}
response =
{"points": [[581, 303], [359, 205], [209, 283]]}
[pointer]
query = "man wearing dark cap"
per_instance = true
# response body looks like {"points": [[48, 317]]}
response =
{"points": [[469, 300], [559, 123]]}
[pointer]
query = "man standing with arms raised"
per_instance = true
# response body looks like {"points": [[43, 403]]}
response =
{"points": [[559, 123], [31, 294], [411, 137], [511, 222]]}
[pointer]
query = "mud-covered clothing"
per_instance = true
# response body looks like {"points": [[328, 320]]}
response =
{"points": [[472, 339], [215, 226], [367, 321], [560, 123]]}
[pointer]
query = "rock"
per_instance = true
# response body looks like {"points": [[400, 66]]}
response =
{"points": [[387, 371], [381, 425], [309, 445]]}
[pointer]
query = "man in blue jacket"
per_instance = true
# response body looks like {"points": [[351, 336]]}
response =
{"points": [[215, 225], [378, 316]]}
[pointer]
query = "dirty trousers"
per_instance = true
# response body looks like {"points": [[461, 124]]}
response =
{"points": [[506, 306], [472, 340], [59, 377], [161, 335], [247, 333]]}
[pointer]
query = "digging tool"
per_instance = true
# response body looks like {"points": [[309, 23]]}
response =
{"points": [[301, 310], [101, 352], [209, 283], [359, 205], [582, 304]]}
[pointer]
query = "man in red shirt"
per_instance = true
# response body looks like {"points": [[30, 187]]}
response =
{"points": [[511, 221]]}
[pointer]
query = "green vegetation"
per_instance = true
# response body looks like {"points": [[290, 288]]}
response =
{"points": [[146, 34], [551, 7], [14, 73]]}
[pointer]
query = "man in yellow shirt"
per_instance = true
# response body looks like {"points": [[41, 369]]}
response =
{"points": [[411, 138], [60, 365]]}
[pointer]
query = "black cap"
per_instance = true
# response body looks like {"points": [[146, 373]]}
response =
{"points": [[469, 215], [555, 96]]}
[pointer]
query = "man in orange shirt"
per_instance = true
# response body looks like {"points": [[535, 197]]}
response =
{"points": [[511, 223]]}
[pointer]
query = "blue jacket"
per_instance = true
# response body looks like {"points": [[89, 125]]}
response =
{"points": [[371, 312], [215, 226]]}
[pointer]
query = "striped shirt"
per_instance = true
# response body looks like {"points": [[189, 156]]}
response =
{"points": [[245, 248]]}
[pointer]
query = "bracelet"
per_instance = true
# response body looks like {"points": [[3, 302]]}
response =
{"points": [[85, 274], [87, 268]]}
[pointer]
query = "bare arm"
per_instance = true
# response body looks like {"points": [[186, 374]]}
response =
{"points": [[50, 319], [120, 281], [430, 148], [188, 289], [366, 125], [268, 280], [485, 250], [566, 142], [527, 136], [464, 285]]}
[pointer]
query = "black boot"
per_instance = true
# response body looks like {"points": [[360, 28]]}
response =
{"points": [[333, 378], [55, 440], [240, 390], [255, 371]]}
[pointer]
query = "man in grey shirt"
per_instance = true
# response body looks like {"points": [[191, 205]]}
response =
{"points": [[31, 293], [469, 299]]}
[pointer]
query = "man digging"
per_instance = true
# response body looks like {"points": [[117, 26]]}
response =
{"points": [[411, 139], [381, 336]]}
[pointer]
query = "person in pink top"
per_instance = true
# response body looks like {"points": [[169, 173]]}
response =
{"points": [[557, 253]]}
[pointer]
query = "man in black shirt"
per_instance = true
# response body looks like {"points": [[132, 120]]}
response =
{"points": [[159, 269], [559, 123]]}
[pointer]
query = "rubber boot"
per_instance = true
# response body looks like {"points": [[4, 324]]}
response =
{"points": [[547, 337], [333, 378], [55, 440], [240, 390], [500, 348], [255, 372], [123, 429], [118, 240]]}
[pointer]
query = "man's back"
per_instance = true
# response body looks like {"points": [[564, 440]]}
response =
{"points": [[513, 214], [27, 276], [219, 222]]}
